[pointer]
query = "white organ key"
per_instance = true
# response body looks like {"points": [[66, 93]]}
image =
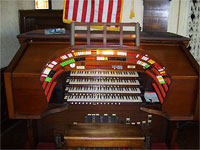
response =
{"points": [[103, 89], [104, 82], [104, 73], [103, 98]]}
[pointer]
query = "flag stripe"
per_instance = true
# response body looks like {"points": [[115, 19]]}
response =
{"points": [[80, 9], [96, 10], [100, 10], [87, 19], [114, 11], [118, 11], [75, 10], [110, 7], [84, 10], [105, 10], [92, 12], [66, 9], [70, 11]]}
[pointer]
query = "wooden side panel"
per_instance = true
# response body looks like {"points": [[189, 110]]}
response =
{"points": [[197, 68], [9, 94], [196, 113], [9, 82], [180, 97], [28, 95]]}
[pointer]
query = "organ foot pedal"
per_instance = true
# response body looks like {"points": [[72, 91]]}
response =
{"points": [[103, 136]]}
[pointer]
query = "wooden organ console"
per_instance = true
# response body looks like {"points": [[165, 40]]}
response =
{"points": [[150, 83]]}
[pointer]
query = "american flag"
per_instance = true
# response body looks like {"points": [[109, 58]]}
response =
{"points": [[92, 11]]}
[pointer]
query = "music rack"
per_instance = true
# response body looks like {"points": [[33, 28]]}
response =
{"points": [[89, 35]]}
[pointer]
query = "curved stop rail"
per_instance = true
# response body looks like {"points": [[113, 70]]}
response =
{"points": [[89, 34]]}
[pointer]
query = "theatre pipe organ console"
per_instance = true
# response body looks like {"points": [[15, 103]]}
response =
{"points": [[143, 85]]}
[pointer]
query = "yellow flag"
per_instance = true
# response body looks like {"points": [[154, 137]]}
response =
{"points": [[132, 14]]}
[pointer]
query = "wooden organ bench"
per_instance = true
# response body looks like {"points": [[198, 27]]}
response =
{"points": [[102, 136]]}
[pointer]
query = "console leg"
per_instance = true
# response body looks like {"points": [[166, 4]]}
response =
{"points": [[171, 135], [31, 137]]}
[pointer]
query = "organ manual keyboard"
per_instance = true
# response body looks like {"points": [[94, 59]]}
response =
{"points": [[139, 83], [101, 88]]}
